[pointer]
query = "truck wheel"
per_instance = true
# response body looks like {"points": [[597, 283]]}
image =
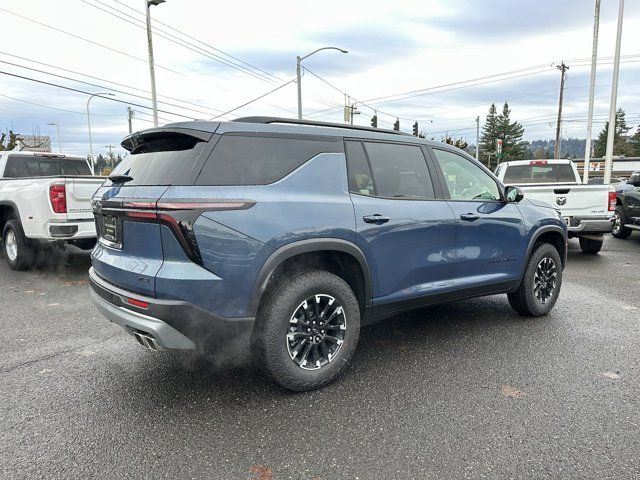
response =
{"points": [[19, 251], [540, 286], [619, 230], [307, 330], [589, 246]]}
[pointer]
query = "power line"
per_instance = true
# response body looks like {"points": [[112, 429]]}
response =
{"points": [[88, 93], [100, 86], [55, 108], [85, 39], [174, 39], [254, 100], [200, 41]]}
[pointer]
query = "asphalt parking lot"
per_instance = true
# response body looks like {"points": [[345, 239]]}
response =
{"points": [[468, 390]]}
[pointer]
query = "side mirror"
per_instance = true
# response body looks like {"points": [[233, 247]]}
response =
{"points": [[513, 194], [635, 179]]}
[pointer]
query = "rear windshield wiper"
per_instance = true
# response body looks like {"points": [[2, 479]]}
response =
{"points": [[120, 178]]}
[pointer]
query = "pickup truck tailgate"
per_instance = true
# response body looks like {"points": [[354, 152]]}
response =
{"points": [[572, 200], [79, 193]]}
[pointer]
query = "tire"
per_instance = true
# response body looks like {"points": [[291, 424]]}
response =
{"points": [[282, 341], [18, 249], [525, 300], [590, 247], [619, 230]]}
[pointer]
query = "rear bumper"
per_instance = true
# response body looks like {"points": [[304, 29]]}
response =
{"points": [[589, 225], [71, 230], [165, 324]]}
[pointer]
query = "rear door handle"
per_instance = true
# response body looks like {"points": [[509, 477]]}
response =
{"points": [[469, 217], [377, 219]]}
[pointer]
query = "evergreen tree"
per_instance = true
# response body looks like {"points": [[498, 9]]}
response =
{"points": [[511, 134], [621, 144], [8, 142], [489, 135], [459, 142], [635, 143]]}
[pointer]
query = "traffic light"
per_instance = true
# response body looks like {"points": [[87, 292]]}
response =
{"points": [[396, 124], [415, 129], [374, 121]]}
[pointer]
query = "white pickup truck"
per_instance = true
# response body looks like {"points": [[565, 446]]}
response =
{"points": [[587, 209], [44, 198]]}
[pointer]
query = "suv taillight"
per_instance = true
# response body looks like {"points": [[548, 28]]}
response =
{"points": [[612, 201], [58, 198]]}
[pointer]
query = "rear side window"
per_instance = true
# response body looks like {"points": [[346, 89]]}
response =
{"points": [[399, 171], [539, 173], [256, 160], [360, 178], [24, 167], [163, 159]]}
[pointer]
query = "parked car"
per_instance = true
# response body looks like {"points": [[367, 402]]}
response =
{"points": [[627, 214], [586, 209], [295, 233], [44, 198]]}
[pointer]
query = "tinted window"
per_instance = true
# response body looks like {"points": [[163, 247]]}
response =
{"points": [[542, 173], [166, 159], [360, 179], [466, 180], [74, 167], [254, 160], [399, 170], [23, 167]]}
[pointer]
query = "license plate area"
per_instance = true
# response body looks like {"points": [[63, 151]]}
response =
{"points": [[567, 220], [112, 231]]}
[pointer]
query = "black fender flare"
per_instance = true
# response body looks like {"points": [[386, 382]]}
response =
{"points": [[536, 236], [306, 246], [9, 203]]}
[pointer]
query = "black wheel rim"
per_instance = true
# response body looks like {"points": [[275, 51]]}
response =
{"points": [[616, 223], [316, 332], [544, 280]]}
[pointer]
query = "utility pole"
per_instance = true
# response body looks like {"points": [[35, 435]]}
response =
{"points": [[556, 148], [130, 115], [592, 87], [608, 159], [478, 138], [152, 72], [110, 154]]}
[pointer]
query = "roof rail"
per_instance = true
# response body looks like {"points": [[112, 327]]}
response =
{"points": [[295, 121]]}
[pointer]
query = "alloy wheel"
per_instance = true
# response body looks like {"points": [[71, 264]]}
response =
{"points": [[316, 332], [544, 280], [11, 245], [617, 224]]}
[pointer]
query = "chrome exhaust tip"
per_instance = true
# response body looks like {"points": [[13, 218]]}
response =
{"points": [[147, 341]]}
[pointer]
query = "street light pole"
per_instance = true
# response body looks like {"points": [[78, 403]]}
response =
{"points": [[93, 170], [608, 159], [592, 87], [152, 73], [58, 130], [299, 76]]}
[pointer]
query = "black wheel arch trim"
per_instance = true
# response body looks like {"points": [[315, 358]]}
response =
{"points": [[536, 236], [14, 207], [307, 246]]}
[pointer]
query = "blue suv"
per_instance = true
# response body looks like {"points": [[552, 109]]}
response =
{"points": [[293, 234]]}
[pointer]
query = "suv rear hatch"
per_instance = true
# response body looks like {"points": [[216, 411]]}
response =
{"points": [[129, 251]]}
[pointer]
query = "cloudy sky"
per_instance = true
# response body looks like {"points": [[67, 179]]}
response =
{"points": [[440, 63]]}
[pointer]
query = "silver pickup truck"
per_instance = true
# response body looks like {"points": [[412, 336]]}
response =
{"points": [[587, 209]]}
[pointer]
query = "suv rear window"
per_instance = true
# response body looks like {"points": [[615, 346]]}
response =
{"points": [[258, 160], [24, 167], [543, 173], [163, 159]]}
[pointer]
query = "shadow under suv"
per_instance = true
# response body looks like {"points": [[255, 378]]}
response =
{"points": [[293, 234]]}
